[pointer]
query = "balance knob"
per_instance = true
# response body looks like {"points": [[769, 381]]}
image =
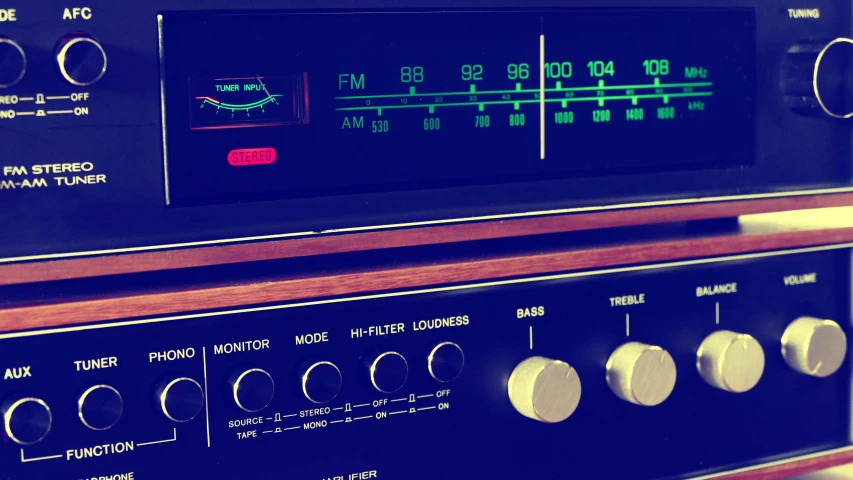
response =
{"points": [[180, 399], [26, 420], [731, 361], [445, 362], [641, 374], [81, 60], [544, 389], [252, 389], [100, 407], [320, 382], [13, 62], [817, 78], [386, 371], [814, 346]]}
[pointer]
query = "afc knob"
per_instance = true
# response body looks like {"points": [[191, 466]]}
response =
{"points": [[641, 374], [180, 399], [544, 389], [816, 77], [26, 420], [82, 61], [387, 372], [100, 407], [252, 389], [13, 62], [813, 346], [320, 381], [730, 361]]}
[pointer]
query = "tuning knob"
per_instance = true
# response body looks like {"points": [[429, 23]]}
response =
{"points": [[180, 399], [81, 60], [26, 420], [814, 346], [641, 374], [544, 389], [13, 62], [445, 362], [731, 361], [100, 407], [320, 382], [386, 371], [252, 389], [817, 78]]}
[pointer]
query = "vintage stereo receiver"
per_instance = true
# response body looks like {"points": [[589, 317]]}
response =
{"points": [[672, 370], [144, 125]]}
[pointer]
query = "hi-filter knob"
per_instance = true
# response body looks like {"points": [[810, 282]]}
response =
{"points": [[544, 389], [817, 77]]}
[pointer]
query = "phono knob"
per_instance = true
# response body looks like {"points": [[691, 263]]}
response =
{"points": [[814, 346], [730, 361], [180, 399], [641, 374], [544, 389]]}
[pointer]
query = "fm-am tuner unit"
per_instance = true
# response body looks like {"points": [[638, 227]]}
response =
{"points": [[152, 124]]}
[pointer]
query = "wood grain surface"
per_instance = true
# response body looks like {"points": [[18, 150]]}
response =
{"points": [[791, 468], [31, 272]]}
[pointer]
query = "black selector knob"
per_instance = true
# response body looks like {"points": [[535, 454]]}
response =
{"points": [[445, 361], [26, 420], [253, 389], [180, 399], [100, 407], [13, 62], [386, 371], [817, 78], [320, 381], [81, 60]]}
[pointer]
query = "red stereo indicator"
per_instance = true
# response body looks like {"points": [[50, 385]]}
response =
{"points": [[242, 157]]}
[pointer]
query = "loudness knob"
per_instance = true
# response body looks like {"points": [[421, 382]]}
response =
{"points": [[320, 382], [445, 362], [641, 374], [817, 77], [81, 60], [544, 389], [26, 420], [13, 62], [814, 346], [180, 399], [731, 361]]}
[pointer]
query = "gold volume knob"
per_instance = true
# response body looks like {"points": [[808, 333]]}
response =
{"points": [[814, 346], [641, 374], [730, 361], [544, 389]]}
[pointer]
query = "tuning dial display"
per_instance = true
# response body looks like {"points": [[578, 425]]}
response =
{"points": [[13, 62], [81, 60], [27, 420], [817, 77], [813, 346], [320, 382], [100, 407], [730, 361], [252, 389], [445, 361], [181, 399], [386, 371], [641, 374], [544, 389]]}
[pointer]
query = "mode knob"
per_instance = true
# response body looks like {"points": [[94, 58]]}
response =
{"points": [[26, 420], [814, 346], [100, 407], [320, 381], [817, 77], [544, 389], [13, 62], [180, 399], [731, 361], [386, 371], [641, 374], [445, 362], [253, 389], [81, 60]]}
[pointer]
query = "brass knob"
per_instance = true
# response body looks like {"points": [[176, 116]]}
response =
{"points": [[814, 346], [641, 374], [544, 389], [730, 361]]}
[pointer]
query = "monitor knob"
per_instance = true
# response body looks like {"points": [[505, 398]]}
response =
{"points": [[386, 371], [81, 60], [320, 382], [641, 374], [730, 361], [26, 420], [180, 399], [817, 78], [813, 346], [13, 62], [544, 389], [100, 407], [252, 389]]}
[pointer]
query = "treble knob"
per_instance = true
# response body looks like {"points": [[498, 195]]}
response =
{"points": [[544, 389], [817, 78], [641, 374]]}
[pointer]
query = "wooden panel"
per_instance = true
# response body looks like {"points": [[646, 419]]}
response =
{"points": [[248, 252], [788, 469]]}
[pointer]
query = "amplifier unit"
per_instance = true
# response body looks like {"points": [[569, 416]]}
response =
{"points": [[647, 372], [144, 125]]}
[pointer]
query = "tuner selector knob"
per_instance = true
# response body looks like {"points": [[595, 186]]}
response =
{"points": [[445, 362], [252, 389], [814, 346], [320, 381], [544, 389], [817, 77], [180, 399], [386, 371], [13, 62], [641, 374], [81, 60], [100, 407], [730, 361], [26, 420]]}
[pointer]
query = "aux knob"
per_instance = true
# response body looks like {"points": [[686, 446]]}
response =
{"points": [[27, 420], [813, 346], [252, 389], [641, 374], [100, 407], [544, 389], [730, 361], [817, 77], [81, 60], [386, 371], [180, 399], [13, 62], [320, 381]]}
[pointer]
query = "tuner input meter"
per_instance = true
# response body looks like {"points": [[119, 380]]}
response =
{"points": [[249, 102]]}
